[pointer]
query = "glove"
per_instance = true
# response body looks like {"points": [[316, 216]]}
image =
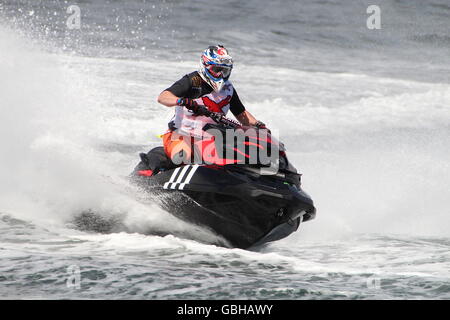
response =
{"points": [[261, 125], [192, 105], [186, 102]]}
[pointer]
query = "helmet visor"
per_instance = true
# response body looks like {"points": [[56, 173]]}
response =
{"points": [[219, 71]]}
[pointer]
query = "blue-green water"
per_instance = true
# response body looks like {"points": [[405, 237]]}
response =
{"points": [[363, 113]]}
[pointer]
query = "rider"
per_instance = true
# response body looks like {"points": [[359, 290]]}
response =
{"points": [[208, 87]]}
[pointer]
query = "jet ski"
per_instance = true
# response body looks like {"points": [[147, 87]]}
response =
{"points": [[248, 203]]}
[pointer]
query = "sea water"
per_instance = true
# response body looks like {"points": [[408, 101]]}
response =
{"points": [[364, 115]]}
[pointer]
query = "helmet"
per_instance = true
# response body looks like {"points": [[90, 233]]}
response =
{"points": [[215, 66]]}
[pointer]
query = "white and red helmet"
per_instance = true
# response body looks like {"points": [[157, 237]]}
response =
{"points": [[215, 66]]}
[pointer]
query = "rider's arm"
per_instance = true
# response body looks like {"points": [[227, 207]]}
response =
{"points": [[238, 109], [178, 90], [246, 118], [167, 98]]}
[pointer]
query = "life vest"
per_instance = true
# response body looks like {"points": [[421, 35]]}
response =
{"points": [[189, 124]]}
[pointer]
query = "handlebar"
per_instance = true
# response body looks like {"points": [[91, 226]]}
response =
{"points": [[219, 117]]}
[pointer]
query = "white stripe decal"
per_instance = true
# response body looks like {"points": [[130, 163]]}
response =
{"points": [[172, 177], [180, 177], [189, 177]]}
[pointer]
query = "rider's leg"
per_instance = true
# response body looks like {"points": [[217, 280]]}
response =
{"points": [[178, 147]]}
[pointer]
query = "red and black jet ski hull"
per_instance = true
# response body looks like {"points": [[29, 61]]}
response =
{"points": [[235, 202]]}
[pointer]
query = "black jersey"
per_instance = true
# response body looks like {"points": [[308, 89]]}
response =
{"points": [[193, 86]]}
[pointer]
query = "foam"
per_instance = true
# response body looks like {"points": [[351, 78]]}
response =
{"points": [[372, 150]]}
